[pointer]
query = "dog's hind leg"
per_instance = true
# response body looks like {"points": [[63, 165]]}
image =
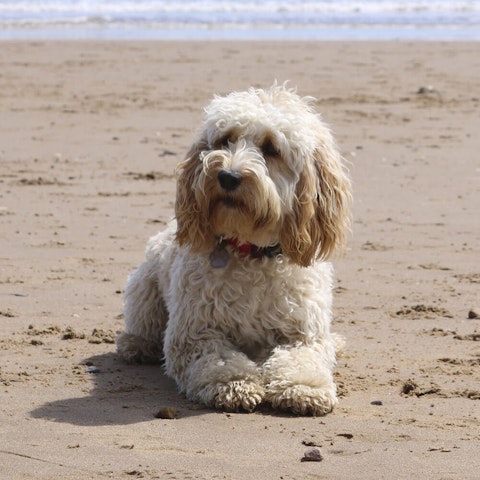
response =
{"points": [[145, 317]]}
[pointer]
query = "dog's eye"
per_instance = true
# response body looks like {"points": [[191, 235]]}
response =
{"points": [[269, 149], [223, 141]]}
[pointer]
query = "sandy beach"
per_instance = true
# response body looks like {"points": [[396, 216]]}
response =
{"points": [[90, 133]]}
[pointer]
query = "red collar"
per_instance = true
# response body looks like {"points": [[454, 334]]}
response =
{"points": [[251, 250]]}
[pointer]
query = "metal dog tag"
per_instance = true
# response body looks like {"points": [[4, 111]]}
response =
{"points": [[219, 257]]}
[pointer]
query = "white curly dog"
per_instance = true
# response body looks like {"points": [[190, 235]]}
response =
{"points": [[235, 297]]}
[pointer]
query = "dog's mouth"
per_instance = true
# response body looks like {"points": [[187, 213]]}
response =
{"points": [[230, 202]]}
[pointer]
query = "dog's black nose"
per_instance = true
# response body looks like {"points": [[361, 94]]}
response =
{"points": [[229, 180]]}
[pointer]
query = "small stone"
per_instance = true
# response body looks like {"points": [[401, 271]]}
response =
{"points": [[428, 90], [92, 369], [312, 454], [167, 413], [376, 402], [408, 387], [425, 90], [474, 313]]}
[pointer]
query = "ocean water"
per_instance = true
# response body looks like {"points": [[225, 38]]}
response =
{"points": [[237, 19]]}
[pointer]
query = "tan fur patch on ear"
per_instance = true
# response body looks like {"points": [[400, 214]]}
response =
{"points": [[334, 199], [191, 219], [300, 236], [319, 221]]}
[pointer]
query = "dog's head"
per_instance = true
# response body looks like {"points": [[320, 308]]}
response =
{"points": [[264, 170]]}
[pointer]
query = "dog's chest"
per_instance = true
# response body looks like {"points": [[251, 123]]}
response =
{"points": [[249, 301]]}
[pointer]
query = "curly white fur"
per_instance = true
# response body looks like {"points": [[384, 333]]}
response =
{"points": [[236, 329]]}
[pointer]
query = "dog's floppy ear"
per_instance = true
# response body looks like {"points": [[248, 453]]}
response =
{"points": [[192, 222], [320, 218]]}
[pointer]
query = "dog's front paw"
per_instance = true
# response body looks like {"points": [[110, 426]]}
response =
{"points": [[238, 395], [303, 400]]}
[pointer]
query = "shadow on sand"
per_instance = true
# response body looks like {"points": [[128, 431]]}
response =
{"points": [[122, 394]]}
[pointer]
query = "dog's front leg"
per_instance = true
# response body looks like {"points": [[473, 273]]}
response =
{"points": [[208, 369], [299, 378]]}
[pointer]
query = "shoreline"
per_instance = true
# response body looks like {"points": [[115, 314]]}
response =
{"points": [[333, 33]]}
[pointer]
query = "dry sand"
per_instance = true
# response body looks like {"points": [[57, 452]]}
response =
{"points": [[89, 137]]}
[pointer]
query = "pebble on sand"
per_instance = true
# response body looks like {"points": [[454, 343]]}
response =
{"points": [[312, 454], [167, 413], [474, 313]]}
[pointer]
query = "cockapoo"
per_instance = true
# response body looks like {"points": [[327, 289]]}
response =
{"points": [[235, 296]]}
